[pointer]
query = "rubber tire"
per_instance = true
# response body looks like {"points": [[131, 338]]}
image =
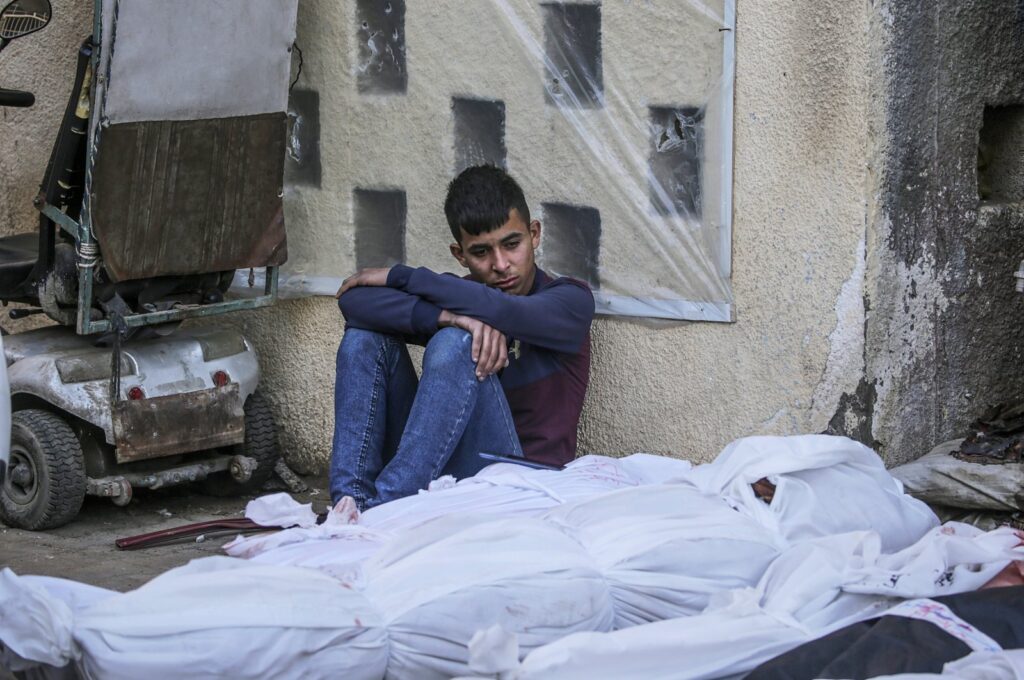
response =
{"points": [[260, 444], [60, 472]]}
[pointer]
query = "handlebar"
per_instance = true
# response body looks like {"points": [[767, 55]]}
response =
{"points": [[16, 98]]}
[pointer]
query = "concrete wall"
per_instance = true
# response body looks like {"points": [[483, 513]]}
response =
{"points": [[830, 288], [674, 388], [42, 63], [943, 332]]}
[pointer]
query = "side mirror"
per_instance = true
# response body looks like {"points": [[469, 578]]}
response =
{"points": [[21, 17]]}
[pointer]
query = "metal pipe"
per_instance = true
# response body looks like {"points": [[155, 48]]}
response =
{"points": [[179, 475], [118, 488]]}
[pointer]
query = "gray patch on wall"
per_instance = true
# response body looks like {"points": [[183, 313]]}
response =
{"points": [[380, 216], [677, 144], [479, 132], [854, 414], [572, 47], [302, 163], [380, 35], [572, 241]]}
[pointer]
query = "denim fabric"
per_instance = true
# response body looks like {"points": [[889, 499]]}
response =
{"points": [[394, 434]]}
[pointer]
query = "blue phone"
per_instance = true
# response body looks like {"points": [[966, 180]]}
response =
{"points": [[516, 460]]}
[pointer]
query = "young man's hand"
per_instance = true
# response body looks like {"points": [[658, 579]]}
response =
{"points": [[490, 348], [365, 277]]}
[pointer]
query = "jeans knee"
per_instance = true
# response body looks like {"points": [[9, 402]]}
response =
{"points": [[448, 348], [360, 344]]}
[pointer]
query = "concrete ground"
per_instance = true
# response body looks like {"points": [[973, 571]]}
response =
{"points": [[84, 550]]}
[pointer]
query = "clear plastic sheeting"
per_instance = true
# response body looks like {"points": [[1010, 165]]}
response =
{"points": [[615, 117]]}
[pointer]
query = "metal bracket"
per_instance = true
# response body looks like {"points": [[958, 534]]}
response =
{"points": [[61, 219]]}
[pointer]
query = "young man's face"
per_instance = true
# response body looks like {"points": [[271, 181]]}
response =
{"points": [[502, 258]]}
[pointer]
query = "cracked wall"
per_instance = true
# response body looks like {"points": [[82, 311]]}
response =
{"points": [[943, 333]]}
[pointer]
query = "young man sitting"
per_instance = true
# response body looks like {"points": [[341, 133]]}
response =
{"points": [[507, 356]]}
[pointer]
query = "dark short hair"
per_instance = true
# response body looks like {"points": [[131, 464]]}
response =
{"points": [[481, 198]]}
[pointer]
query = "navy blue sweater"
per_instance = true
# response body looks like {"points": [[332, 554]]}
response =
{"points": [[548, 333]]}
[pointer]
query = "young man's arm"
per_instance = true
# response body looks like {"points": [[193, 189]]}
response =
{"points": [[369, 306], [388, 310], [556, 318]]}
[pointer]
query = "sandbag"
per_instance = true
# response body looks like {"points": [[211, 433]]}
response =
{"points": [[825, 485], [214, 618], [666, 549], [440, 583], [813, 588]]}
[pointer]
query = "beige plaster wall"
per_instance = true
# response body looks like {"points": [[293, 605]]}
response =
{"points": [[798, 222], [674, 388]]}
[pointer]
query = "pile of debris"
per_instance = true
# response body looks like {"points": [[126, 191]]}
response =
{"points": [[996, 437], [978, 480]]}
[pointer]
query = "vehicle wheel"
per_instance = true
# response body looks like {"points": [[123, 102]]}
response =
{"points": [[260, 444], [45, 482]]}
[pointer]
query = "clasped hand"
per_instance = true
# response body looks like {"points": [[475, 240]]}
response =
{"points": [[490, 347]]}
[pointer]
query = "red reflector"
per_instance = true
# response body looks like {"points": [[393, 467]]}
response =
{"points": [[221, 378], [136, 393]]}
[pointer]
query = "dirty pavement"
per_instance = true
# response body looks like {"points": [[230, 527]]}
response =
{"points": [[84, 549]]}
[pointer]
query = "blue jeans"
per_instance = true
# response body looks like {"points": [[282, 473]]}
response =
{"points": [[394, 434]]}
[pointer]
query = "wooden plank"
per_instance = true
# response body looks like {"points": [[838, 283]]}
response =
{"points": [[190, 197]]}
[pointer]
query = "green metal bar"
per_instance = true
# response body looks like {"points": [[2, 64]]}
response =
{"points": [[61, 219], [181, 313], [88, 327], [270, 285], [85, 325], [84, 241]]}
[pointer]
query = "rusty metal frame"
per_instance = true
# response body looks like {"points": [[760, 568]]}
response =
{"points": [[87, 326], [88, 249]]}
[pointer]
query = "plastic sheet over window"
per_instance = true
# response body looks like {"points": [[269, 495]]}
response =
{"points": [[614, 116]]}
